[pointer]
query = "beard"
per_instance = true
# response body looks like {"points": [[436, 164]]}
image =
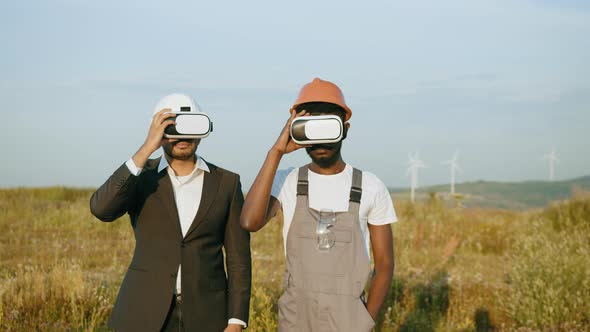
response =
{"points": [[181, 154], [328, 159]]}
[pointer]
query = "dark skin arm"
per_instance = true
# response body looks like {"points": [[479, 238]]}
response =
{"points": [[260, 206], [382, 244]]}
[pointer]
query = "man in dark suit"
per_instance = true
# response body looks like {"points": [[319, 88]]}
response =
{"points": [[183, 211]]}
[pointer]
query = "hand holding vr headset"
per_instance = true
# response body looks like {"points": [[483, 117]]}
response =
{"points": [[304, 130], [178, 121]]}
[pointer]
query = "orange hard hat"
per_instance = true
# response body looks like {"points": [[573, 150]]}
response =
{"points": [[319, 90]]}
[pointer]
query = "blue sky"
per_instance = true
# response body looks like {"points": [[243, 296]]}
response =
{"points": [[503, 81]]}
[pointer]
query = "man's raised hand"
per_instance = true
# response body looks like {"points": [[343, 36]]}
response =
{"points": [[284, 143], [153, 141]]}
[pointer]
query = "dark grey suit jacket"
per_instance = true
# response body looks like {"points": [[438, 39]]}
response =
{"points": [[209, 296]]}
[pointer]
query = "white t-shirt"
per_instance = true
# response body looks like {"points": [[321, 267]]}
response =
{"points": [[333, 192]]}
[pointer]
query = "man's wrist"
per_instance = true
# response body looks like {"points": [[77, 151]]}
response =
{"points": [[132, 167], [146, 150], [141, 156], [236, 324], [275, 152]]}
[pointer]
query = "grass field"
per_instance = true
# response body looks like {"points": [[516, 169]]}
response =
{"points": [[456, 269]]}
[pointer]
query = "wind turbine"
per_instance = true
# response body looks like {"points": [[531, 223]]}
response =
{"points": [[454, 167], [552, 159], [413, 165]]}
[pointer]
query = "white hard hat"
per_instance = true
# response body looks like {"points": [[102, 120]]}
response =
{"points": [[178, 103]]}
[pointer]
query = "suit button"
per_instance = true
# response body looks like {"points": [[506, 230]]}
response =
{"points": [[183, 245]]}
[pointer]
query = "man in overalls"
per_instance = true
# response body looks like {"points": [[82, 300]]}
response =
{"points": [[325, 282]]}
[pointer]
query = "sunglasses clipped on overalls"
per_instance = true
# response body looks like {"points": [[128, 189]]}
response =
{"points": [[324, 287]]}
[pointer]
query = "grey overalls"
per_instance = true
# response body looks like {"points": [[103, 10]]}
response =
{"points": [[323, 289]]}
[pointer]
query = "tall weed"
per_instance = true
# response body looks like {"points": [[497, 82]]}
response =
{"points": [[549, 285]]}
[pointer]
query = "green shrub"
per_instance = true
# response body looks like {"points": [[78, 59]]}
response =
{"points": [[54, 300], [549, 285], [564, 215]]}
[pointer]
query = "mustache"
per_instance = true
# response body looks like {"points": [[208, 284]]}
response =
{"points": [[180, 140], [322, 146]]}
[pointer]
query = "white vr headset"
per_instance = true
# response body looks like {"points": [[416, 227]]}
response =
{"points": [[189, 125], [191, 122], [318, 129]]}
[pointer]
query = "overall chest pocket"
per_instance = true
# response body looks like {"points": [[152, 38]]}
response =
{"points": [[332, 262]]}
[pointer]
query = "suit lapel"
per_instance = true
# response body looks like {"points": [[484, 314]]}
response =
{"points": [[166, 197], [208, 195]]}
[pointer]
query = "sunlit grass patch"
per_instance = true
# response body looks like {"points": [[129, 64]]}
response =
{"points": [[456, 269]]}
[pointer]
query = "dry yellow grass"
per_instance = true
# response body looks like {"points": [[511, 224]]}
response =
{"points": [[456, 269]]}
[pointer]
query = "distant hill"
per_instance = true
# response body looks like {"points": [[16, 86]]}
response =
{"points": [[506, 195]]}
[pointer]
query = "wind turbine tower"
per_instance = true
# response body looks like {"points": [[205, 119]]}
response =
{"points": [[414, 164], [551, 159], [454, 167]]}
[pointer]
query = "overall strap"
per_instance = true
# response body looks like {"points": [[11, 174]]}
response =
{"points": [[356, 190], [302, 182]]}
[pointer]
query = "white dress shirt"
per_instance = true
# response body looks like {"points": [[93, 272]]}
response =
{"points": [[187, 194]]}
